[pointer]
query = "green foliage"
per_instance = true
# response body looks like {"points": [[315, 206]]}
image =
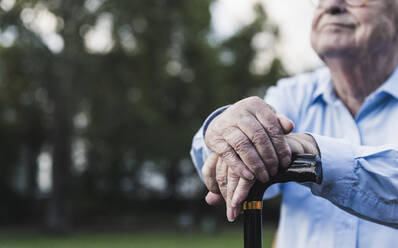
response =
{"points": [[144, 98]]}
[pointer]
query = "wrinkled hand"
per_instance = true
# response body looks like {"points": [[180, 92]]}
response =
{"points": [[249, 138], [224, 185]]}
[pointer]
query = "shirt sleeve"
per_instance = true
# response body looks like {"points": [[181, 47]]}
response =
{"points": [[362, 180]]}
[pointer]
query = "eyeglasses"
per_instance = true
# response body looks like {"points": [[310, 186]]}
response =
{"points": [[353, 3]]}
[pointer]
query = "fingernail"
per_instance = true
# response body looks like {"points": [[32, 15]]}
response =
{"points": [[234, 214], [248, 175], [286, 161], [230, 215]]}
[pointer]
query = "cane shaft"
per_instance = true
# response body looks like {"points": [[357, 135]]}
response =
{"points": [[304, 168], [253, 228]]}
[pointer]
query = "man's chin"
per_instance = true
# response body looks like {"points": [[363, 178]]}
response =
{"points": [[334, 51], [335, 45]]}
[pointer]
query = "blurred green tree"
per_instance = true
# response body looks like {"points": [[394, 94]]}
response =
{"points": [[114, 91]]}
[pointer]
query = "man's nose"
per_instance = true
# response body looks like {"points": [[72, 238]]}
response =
{"points": [[333, 7]]}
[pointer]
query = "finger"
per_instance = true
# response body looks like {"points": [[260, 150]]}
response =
{"points": [[230, 157], [245, 148], [295, 145], [233, 180], [310, 145], [286, 124], [305, 143], [271, 125], [264, 146], [237, 211], [222, 177], [241, 192], [253, 129], [209, 173], [214, 199]]}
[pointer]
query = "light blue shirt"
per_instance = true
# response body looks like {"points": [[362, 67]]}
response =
{"points": [[357, 203]]}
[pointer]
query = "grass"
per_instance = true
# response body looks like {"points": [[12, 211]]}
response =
{"points": [[170, 239]]}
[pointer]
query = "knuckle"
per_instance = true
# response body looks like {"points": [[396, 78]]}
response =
{"points": [[239, 171], [228, 155], [284, 152], [211, 183], [239, 104], [254, 164], [245, 119], [212, 129], [255, 99], [213, 188], [273, 131], [232, 133], [246, 185], [232, 176], [236, 169], [212, 141], [259, 137], [272, 109], [242, 146], [266, 144], [221, 180], [280, 146], [257, 170], [230, 191], [252, 100]]}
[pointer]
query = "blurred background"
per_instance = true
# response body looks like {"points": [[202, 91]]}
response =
{"points": [[100, 99]]}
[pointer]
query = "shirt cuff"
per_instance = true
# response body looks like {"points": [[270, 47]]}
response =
{"points": [[338, 166]]}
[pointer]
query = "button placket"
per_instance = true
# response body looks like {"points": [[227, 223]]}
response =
{"points": [[351, 131]]}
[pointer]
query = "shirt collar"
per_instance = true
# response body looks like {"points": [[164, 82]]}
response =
{"points": [[324, 87], [390, 86], [326, 91]]}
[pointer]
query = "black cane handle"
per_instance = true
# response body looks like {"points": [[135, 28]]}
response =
{"points": [[304, 168]]}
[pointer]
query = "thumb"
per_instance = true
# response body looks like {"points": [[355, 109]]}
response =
{"points": [[286, 124]]}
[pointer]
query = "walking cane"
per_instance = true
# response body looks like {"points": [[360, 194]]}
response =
{"points": [[304, 168]]}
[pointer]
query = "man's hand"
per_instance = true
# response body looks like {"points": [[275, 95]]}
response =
{"points": [[249, 139], [224, 185]]}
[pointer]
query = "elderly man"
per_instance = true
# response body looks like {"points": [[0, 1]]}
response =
{"points": [[346, 112]]}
